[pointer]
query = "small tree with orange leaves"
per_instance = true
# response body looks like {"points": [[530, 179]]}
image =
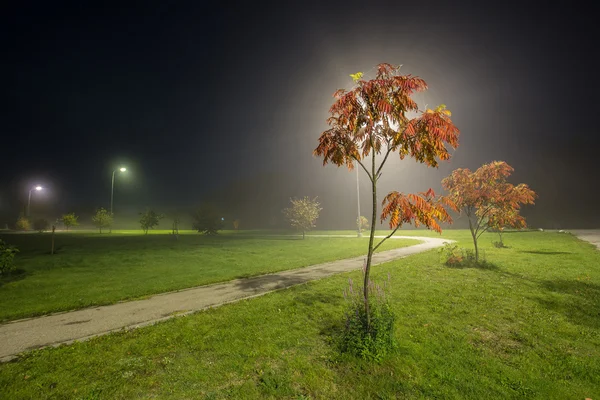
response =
{"points": [[487, 199], [501, 218], [370, 120]]}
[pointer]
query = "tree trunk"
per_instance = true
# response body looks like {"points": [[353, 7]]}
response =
{"points": [[474, 234], [52, 250], [303, 235], [501, 240], [371, 239]]}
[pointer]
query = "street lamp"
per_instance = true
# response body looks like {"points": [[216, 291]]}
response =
{"points": [[38, 188], [112, 187]]}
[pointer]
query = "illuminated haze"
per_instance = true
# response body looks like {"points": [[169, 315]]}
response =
{"points": [[227, 104]]}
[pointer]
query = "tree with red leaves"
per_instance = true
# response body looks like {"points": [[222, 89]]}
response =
{"points": [[371, 120], [501, 218], [487, 199]]}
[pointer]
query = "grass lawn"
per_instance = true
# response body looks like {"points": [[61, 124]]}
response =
{"points": [[528, 326], [93, 269]]}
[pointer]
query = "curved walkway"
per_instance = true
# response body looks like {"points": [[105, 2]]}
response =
{"points": [[67, 327], [589, 235]]}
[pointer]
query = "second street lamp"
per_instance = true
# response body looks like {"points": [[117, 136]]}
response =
{"points": [[38, 188], [112, 187]]}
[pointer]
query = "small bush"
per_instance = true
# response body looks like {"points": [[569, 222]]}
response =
{"points": [[207, 220], [69, 220], [372, 342], [454, 256], [469, 256], [451, 254], [149, 219], [363, 223], [7, 255], [102, 219], [23, 224], [499, 245], [40, 225]]}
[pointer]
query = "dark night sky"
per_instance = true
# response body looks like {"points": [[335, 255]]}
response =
{"points": [[198, 99]]}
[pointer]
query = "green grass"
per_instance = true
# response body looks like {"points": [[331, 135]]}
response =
{"points": [[527, 326], [92, 269]]}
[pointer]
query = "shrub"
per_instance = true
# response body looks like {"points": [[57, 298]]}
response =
{"points": [[500, 245], [207, 220], [451, 254], [363, 223], [102, 219], [470, 257], [454, 256], [357, 339], [40, 225], [69, 220], [7, 255], [149, 219], [303, 213], [23, 224]]}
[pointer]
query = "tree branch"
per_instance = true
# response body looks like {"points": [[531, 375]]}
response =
{"points": [[482, 232], [480, 220], [389, 150], [478, 226], [363, 167], [386, 238], [488, 209], [374, 175]]}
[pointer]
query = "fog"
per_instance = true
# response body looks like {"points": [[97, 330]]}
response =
{"points": [[212, 105]]}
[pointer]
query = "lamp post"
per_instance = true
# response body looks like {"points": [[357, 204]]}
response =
{"points": [[112, 187], [38, 188], [359, 234]]}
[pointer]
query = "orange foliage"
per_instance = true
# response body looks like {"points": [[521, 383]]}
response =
{"points": [[423, 209], [487, 196], [372, 118]]}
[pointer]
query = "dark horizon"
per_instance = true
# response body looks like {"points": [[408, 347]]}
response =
{"points": [[227, 103]]}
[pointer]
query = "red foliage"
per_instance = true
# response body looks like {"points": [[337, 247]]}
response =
{"points": [[373, 116], [487, 196], [371, 119], [423, 209]]}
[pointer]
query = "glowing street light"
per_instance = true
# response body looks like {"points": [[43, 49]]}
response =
{"points": [[112, 187], [38, 188]]}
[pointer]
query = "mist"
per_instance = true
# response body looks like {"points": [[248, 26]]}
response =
{"points": [[216, 105]]}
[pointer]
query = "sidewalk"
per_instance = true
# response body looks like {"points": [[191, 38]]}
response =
{"points": [[589, 235], [67, 327]]}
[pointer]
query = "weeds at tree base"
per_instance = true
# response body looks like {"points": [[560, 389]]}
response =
{"points": [[453, 256], [357, 338], [499, 245]]}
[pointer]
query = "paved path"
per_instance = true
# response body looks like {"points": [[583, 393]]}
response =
{"points": [[589, 235], [67, 327]]}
